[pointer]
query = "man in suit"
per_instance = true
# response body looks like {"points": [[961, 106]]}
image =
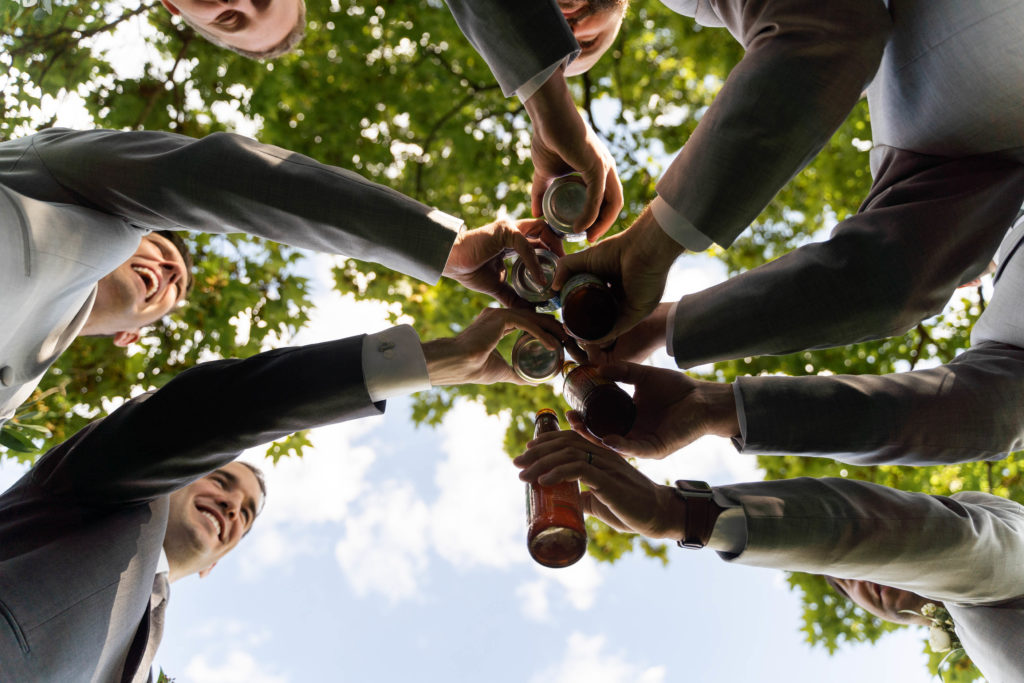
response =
{"points": [[81, 583], [76, 209], [892, 550], [944, 89], [253, 29]]}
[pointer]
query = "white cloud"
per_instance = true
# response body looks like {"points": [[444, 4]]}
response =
{"points": [[384, 546], [235, 633], [237, 667], [710, 458], [319, 486], [586, 662], [10, 472], [576, 584], [479, 518], [533, 598]]}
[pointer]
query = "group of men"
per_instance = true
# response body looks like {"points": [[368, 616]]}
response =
{"points": [[93, 534]]}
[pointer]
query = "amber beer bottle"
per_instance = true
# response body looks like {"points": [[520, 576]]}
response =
{"points": [[605, 408], [589, 309], [556, 536]]}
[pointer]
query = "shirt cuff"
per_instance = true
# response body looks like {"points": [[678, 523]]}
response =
{"points": [[526, 90], [678, 227], [730, 532], [393, 363]]}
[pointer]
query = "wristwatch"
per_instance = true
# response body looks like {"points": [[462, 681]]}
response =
{"points": [[700, 516]]}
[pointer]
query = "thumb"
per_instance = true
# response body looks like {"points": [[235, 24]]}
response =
{"points": [[621, 371], [595, 182], [569, 266]]}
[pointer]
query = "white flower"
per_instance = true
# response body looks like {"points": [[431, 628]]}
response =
{"points": [[28, 3], [939, 639], [928, 609]]}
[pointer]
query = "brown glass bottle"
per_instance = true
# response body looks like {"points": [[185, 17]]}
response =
{"points": [[556, 536], [589, 309], [605, 408]]}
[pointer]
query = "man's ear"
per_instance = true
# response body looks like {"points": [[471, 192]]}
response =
{"points": [[204, 572], [170, 7], [126, 337]]}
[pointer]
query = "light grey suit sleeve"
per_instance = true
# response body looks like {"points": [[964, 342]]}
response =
{"points": [[970, 409], [228, 183], [518, 39], [928, 225], [965, 549], [804, 69]]}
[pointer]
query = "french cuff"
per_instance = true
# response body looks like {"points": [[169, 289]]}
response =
{"points": [[527, 90], [393, 363], [670, 327], [730, 532], [678, 227]]}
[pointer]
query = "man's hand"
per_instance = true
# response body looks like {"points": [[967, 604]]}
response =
{"points": [[471, 356], [619, 494], [636, 262], [637, 344], [562, 143], [672, 410], [477, 257]]}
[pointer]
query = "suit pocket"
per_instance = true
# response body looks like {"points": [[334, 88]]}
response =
{"points": [[12, 623]]}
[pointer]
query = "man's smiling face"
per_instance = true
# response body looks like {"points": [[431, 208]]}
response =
{"points": [[140, 291], [594, 23], [209, 517], [252, 25]]}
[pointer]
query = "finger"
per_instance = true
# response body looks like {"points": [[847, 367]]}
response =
{"points": [[537, 189], [593, 506], [578, 426], [543, 327], [610, 207], [629, 373], [595, 180], [513, 238], [569, 266]]}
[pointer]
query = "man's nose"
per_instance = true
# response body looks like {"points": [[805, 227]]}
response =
{"points": [[231, 504], [172, 272]]}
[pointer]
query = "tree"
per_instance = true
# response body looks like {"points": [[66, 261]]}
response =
{"points": [[392, 91]]}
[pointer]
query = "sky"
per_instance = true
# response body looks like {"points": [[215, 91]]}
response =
{"points": [[390, 553]]}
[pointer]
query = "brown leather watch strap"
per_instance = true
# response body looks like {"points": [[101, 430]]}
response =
{"points": [[701, 513]]}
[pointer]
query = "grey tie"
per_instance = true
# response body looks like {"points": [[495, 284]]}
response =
{"points": [[150, 632]]}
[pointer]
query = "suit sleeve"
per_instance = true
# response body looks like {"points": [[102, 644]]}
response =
{"points": [[965, 549], [226, 183], [970, 409], [518, 40], [803, 71], [204, 418], [929, 225]]}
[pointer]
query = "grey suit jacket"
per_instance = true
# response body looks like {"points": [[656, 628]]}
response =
{"points": [[969, 409], [81, 533], [966, 550], [947, 108], [74, 205]]}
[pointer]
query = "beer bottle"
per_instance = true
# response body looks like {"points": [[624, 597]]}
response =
{"points": [[527, 287], [533, 361], [605, 408], [563, 203], [556, 536], [589, 309]]}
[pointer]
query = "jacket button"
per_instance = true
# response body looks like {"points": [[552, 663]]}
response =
{"points": [[7, 375]]}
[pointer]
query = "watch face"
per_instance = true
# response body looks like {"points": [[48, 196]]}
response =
{"points": [[692, 487]]}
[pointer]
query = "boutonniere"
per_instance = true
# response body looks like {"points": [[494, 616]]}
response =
{"points": [[942, 636]]}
